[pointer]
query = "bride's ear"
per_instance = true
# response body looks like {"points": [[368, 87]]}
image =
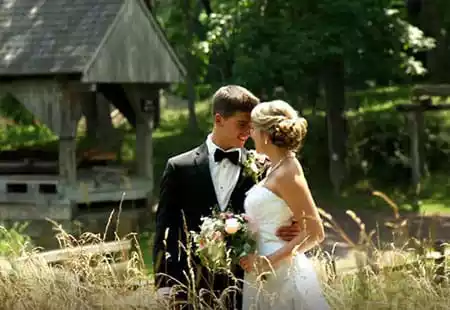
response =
{"points": [[266, 138]]}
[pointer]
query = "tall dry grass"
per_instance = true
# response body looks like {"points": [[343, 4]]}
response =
{"points": [[397, 275], [87, 282], [81, 282]]}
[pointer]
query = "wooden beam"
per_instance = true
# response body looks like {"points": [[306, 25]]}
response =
{"points": [[408, 107], [54, 256], [439, 90], [41, 98]]}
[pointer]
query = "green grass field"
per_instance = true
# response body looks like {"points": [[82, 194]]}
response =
{"points": [[353, 291]]}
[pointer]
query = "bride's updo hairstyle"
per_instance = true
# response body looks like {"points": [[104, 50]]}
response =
{"points": [[281, 122]]}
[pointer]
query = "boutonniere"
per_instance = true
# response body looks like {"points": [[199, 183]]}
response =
{"points": [[255, 165]]}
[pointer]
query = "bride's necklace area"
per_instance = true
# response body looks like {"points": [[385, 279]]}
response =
{"points": [[278, 164]]}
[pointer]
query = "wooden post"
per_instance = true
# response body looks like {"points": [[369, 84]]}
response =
{"points": [[67, 140], [415, 119], [420, 119], [414, 148], [139, 97], [96, 109], [415, 156], [144, 148], [67, 160]]}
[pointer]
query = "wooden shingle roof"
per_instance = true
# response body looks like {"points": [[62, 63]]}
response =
{"points": [[49, 37], [52, 36]]}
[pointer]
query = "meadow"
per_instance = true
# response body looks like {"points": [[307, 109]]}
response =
{"points": [[379, 164]]}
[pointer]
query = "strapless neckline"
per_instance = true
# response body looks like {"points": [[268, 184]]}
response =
{"points": [[267, 211], [268, 190]]}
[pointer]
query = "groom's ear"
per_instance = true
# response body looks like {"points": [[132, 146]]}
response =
{"points": [[218, 119]]}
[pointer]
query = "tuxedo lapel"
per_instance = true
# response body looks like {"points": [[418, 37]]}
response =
{"points": [[204, 174]]}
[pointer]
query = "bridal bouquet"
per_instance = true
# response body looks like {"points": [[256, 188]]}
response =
{"points": [[223, 239]]}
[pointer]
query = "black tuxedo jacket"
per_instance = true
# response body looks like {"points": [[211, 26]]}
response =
{"points": [[186, 194]]}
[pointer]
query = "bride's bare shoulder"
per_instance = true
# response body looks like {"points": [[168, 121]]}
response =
{"points": [[292, 168], [291, 171]]}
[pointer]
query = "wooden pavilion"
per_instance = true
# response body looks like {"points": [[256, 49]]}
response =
{"points": [[63, 59]]}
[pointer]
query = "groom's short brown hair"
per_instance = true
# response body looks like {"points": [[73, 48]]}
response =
{"points": [[230, 99]]}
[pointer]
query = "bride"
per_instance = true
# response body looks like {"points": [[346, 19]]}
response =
{"points": [[280, 276]]}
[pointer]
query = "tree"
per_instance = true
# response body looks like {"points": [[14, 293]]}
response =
{"points": [[301, 46], [294, 43]]}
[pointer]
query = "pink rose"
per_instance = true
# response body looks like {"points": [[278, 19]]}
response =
{"points": [[232, 225], [229, 215]]}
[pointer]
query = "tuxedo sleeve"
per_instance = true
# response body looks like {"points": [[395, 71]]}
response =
{"points": [[166, 261]]}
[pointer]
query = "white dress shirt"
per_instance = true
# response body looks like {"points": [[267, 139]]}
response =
{"points": [[224, 174]]}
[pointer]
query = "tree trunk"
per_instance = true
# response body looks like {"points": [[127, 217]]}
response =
{"points": [[312, 94], [433, 20], [334, 89], [190, 65]]}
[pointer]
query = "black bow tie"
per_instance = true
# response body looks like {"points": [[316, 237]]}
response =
{"points": [[233, 156]]}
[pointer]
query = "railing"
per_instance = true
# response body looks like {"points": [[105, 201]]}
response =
{"points": [[438, 256], [107, 258], [117, 254]]}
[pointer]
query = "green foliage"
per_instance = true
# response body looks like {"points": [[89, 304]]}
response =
{"points": [[380, 143], [264, 45], [25, 130], [282, 42], [177, 18], [13, 241], [12, 137], [13, 110]]}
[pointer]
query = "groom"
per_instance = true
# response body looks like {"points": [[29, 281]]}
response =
{"points": [[194, 182]]}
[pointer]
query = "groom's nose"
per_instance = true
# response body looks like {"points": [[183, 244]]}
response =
{"points": [[244, 135], [246, 131]]}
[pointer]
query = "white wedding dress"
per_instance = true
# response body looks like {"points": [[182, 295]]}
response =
{"points": [[294, 284]]}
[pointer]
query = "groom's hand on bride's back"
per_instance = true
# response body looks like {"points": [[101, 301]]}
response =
{"points": [[287, 233]]}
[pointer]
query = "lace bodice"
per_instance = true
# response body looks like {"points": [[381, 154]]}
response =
{"points": [[268, 212]]}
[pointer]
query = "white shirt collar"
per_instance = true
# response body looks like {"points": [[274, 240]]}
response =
{"points": [[212, 147]]}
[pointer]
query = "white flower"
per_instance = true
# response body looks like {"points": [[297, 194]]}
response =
{"points": [[232, 226], [254, 167]]}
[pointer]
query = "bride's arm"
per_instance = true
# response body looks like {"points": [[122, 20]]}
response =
{"points": [[293, 188]]}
